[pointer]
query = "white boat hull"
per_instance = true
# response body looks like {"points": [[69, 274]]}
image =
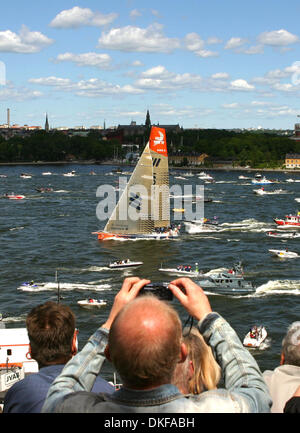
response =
{"points": [[255, 341], [87, 304], [124, 265], [284, 254]]}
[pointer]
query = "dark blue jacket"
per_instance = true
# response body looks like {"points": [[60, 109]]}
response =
{"points": [[28, 395]]}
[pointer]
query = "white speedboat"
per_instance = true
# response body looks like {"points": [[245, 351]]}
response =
{"points": [[13, 196], [47, 173], [283, 235], [284, 254], [255, 336], [70, 174], [25, 176], [262, 191], [121, 264], [90, 304], [262, 181], [201, 225], [185, 270]]}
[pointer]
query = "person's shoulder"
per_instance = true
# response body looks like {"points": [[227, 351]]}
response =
{"points": [[101, 385]]}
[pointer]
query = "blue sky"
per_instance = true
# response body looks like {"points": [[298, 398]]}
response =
{"points": [[204, 64]]}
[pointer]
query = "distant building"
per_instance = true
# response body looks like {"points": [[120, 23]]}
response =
{"points": [[148, 121], [47, 124], [296, 135], [292, 160]]}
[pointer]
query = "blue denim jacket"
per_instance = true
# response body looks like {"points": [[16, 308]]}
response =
{"points": [[245, 390]]}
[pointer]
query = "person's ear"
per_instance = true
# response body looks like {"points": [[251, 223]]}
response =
{"points": [[282, 359], [74, 347], [106, 353], [183, 352]]}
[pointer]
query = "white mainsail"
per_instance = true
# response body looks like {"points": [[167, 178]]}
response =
{"points": [[144, 204]]}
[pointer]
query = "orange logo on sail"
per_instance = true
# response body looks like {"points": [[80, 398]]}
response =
{"points": [[158, 141]]}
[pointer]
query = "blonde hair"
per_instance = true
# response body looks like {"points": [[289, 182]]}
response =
{"points": [[207, 372]]}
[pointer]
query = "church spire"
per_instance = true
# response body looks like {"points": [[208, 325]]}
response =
{"points": [[47, 124], [148, 121]]}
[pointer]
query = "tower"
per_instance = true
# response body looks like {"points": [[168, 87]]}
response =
{"points": [[8, 118], [148, 121], [47, 124]]}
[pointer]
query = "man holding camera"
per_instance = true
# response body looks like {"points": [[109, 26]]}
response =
{"points": [[143, 338]]}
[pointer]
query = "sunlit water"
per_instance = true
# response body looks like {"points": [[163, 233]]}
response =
{"points": [[49, 232]]}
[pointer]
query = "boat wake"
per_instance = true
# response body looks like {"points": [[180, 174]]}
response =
{"points": [[279, 287], [42, 287]]}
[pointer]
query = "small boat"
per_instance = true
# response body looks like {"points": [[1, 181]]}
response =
{"points": [[29, 284], [284, 254], [121, 264], [42, 189], [13, 196], [26, 176], [226, 281], [200, 226], [91, 303], [289, 221], [262, 191], [283, 235], [262, 181], [150, 210], [46, 173], [70, 174], [183, 270], [255, 336], [297, 199], [205, 176], [3, 175]]}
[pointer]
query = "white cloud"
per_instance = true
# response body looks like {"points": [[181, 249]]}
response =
{"points": [[194, 43], [25, 42], [77, 17], [277, 38], [92, 87], [220, 76], [102, 61], [241, 84], [136, 39], [234, 43], [135, 13], [213, 40], [12, 93], [232, 105]]}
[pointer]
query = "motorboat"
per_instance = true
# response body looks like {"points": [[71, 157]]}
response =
{"points": [[205, 176], [289, 221], [201, 225], [255, 337], [91, 303], [121, 264], [284, 254], [42, 189], [151, 172], [262, 181], [262, 191], [70, 174], [3, 175], [25, 176], [185, 270], [13, 196], [226, 282], [29, 284], [47, 173], [291, 235]]}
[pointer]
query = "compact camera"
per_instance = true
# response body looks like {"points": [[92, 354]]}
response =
{"points": [[160, 290]]}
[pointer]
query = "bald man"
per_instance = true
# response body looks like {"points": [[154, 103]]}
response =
{"points": [[143, 338]]}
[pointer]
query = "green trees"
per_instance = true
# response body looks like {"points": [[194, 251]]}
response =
{"points": [[257, 149]]}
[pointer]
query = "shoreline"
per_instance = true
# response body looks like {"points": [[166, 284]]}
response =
{"points": [[121, 164]]}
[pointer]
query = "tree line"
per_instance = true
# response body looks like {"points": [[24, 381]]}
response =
{"points": [[257, 149]]}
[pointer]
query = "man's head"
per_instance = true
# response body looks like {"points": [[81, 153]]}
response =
{"points": [[51, 331], [145, 343], [290, 353]]}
